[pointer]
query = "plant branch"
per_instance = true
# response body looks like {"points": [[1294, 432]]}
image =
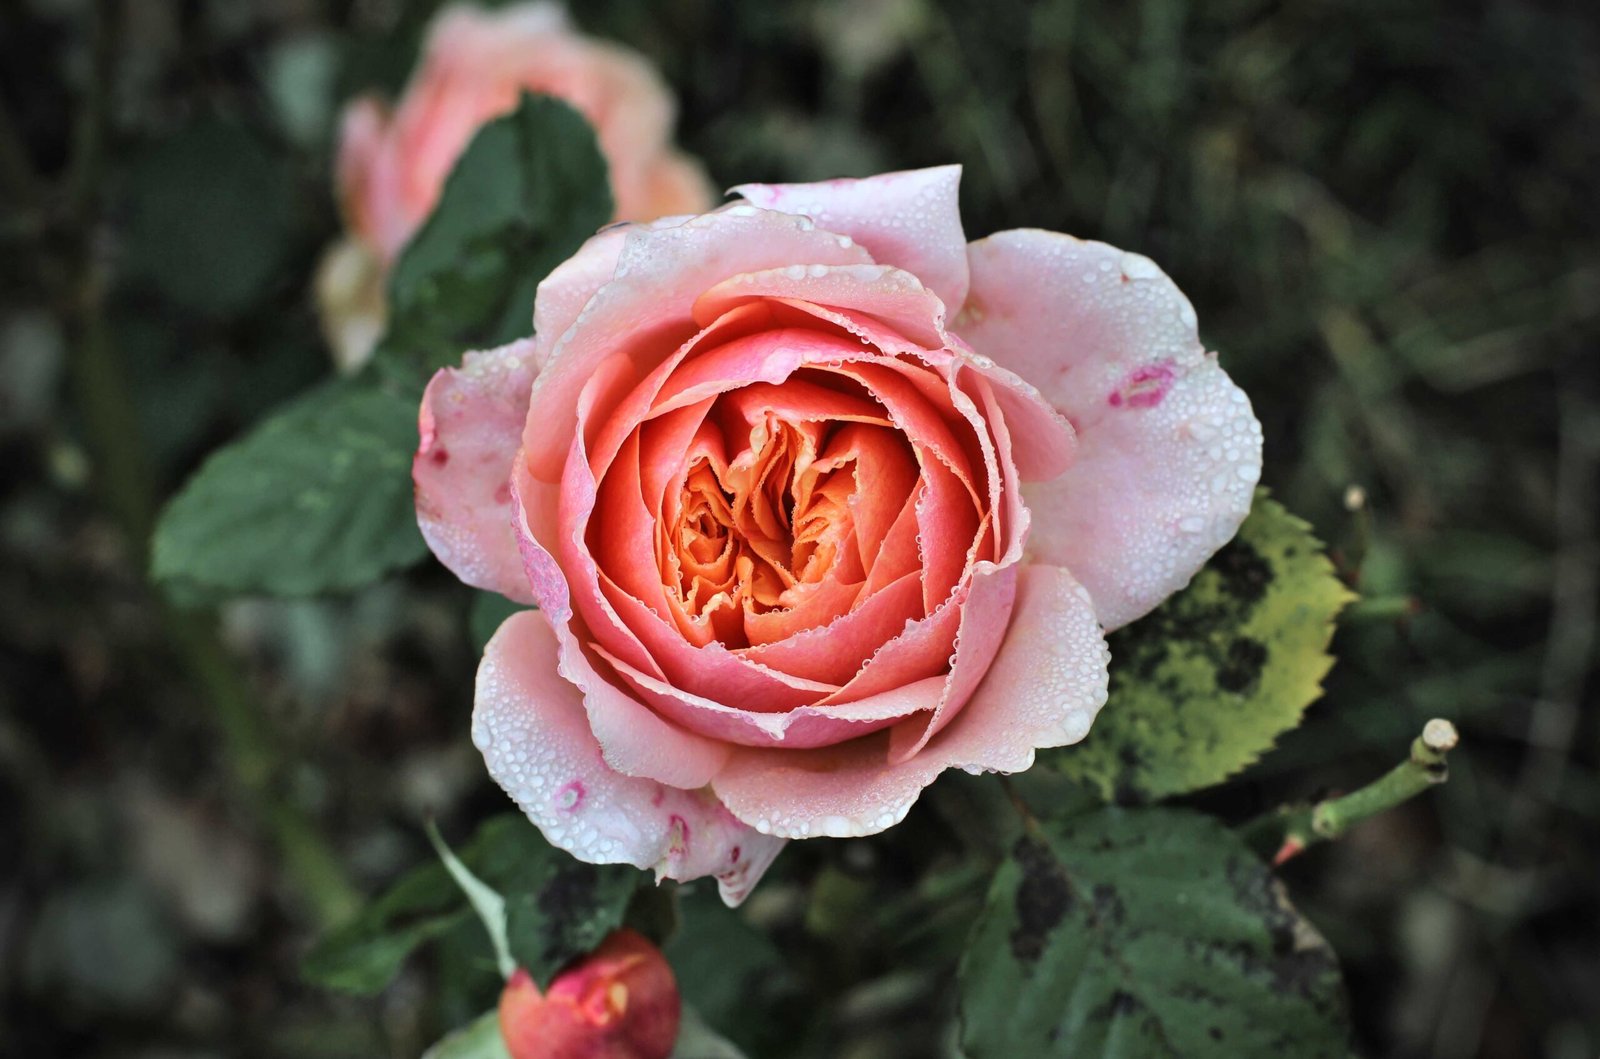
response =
{"points": [[1288, 831]]}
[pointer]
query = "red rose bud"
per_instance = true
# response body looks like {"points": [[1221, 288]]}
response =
{"points": [[619, 1002]]}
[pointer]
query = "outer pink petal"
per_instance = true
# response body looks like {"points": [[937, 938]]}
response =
{"points": [[911, 220], [644, 312], [1169, 452], [886, 294], [569, 286], [470, 425], [531, 728], [634, 740], [803, 727], [1043, 689]]}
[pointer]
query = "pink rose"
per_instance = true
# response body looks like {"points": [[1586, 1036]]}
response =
{"points": [[392, 166], [801, 537]]}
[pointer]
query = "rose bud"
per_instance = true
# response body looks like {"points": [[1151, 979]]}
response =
{"points": [[618, 1002]]}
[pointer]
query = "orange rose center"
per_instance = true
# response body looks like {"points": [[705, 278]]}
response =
{"points": [[760, 529]]}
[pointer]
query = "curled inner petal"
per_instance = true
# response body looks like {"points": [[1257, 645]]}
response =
{"points": [[759, 532]]}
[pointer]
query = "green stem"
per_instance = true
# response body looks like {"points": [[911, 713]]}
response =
{"points": [[1288, 831]]}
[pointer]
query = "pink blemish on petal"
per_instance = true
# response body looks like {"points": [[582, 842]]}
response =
{"points": [[733, 858], [439, 457], [679, 830], [570, 797], [1145, 387], [502, 495], [658, 797]]}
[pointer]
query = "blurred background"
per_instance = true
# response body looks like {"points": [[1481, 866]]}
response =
{"points": [[1385, 212]]}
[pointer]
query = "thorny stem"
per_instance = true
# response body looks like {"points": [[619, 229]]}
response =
{"points": [[1287, 832], [122, 474]]}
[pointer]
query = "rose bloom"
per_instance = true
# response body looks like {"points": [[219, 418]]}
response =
{"points": [[817, 500], [476, 64]]}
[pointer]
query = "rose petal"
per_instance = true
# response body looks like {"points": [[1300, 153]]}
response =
{"points": [[534, 735], [888, 295], [1043, 689], [567, 289], [802, 728], [836, 651], [469, 426], [633, 739], [911, 220], [645, 312], [1168, 452]]}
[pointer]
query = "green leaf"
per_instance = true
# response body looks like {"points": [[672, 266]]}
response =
{"points": [[734, 975], [1145, 932], [316, 499], [565, 908], [556, 908], [526, 193], [365, 954], [485, 900], [1203, 685], [478, 1039]]}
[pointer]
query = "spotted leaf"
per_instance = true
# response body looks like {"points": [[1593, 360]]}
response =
{"points": [[1206, 683]]}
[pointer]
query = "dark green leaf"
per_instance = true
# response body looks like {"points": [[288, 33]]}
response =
{"points": [[316, 499], [733, 974], [530, 188], [1207, 682], [363, 955], [564, 908], [1145, 932]]}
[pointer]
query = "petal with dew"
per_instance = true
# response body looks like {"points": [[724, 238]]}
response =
{"points": [[889, 295], [1168, 451], [645, 312], [1043, 689], [469, 425], [530, 725], [910, 219], [569, 286]]}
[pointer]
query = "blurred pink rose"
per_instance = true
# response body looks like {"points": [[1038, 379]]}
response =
{"points": [[392, 164], [818, 500]]}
